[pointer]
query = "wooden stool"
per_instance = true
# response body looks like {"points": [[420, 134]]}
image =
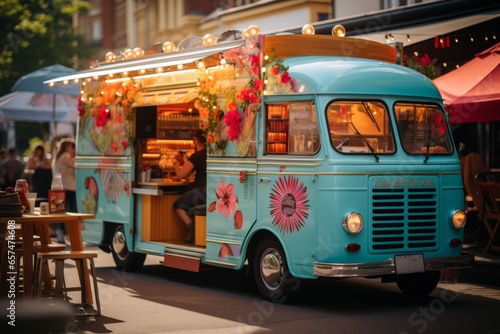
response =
{"points": [[37, 247], [80, 258], [19, 252]]}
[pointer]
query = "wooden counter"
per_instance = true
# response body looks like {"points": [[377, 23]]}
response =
{"points": [[159, 220]]}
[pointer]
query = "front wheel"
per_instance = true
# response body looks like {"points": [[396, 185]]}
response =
{"points": [[418, 285], [123, 257], [271, 273]]}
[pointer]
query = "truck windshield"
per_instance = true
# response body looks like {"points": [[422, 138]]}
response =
{"points": [[360, 127], [422, 129]]}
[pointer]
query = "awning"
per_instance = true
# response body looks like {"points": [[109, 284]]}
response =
{"points": [[427, 31], [472, 92], [151, 62]]}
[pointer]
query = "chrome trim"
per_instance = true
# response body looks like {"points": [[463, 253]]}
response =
{"points": [[127, 168], [294, 159], [230, 160], [220, 263], [339, 270], [230, 172], [149, 251], [436, 173], [223, 242], [107, 157]]}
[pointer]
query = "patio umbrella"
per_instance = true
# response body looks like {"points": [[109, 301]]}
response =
{"points": [[38, 107], [472, 92], [34, 83]]}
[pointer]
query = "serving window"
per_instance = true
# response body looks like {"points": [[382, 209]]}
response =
{"points": [[291, 129]]}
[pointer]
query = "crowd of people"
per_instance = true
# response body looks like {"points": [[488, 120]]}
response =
{"points": [[41, 170]]}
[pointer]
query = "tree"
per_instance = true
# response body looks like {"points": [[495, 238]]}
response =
{"points": [[37, 33]]}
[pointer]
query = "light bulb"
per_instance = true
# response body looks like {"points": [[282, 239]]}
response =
{"points": [[168, 47], [253, 30], [308, 29]]}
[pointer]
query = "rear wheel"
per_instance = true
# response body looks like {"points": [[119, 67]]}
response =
{"points": [[123, 257], [418, 285], [271, 273]]}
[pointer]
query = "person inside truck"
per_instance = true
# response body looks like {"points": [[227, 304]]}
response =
{"points": [[195, 194]]}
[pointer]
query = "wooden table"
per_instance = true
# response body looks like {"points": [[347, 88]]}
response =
{"points": [[28, 222]]}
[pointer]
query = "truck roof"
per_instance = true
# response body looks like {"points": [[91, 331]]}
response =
{"points": [[345, 75]]}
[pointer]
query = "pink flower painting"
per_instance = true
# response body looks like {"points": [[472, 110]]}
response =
{"points": [[288, 204], [227, 201]]}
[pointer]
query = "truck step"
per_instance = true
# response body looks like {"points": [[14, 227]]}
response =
{"points": [[183, 257]]}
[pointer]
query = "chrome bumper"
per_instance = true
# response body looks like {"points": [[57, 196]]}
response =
{"points": [[464, 261]]}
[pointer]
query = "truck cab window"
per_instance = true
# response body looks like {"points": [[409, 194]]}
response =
{"points": [[422, 129], [292, 128], [360, 127]]}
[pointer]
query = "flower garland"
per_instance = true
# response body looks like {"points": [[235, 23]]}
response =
{"points": [[274, 75], [123, 95], [210, 114], [232, 120], [252, 92], [99, 98], [423, 65]]}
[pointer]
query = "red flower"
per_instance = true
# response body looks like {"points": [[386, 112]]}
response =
{"points": [[254, 99], [275, 70], [124, 143], [102, 116], [285, 78], [210, 138], [114, 147], [258, 85], [425, 60], [232, 120], [80, 111], [255, 60]]}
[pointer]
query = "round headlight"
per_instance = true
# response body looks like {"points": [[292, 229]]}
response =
{"points": [[458, 219], [352, 223]]}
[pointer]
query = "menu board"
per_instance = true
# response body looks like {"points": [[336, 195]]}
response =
{"points": [[303, 128]]}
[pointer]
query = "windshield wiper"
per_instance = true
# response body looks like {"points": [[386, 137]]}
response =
{"points": [[344, 140], [368, 111], [365, 141], [427, 144]]}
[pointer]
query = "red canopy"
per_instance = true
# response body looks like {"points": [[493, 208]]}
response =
{"points": [[472, 92]]}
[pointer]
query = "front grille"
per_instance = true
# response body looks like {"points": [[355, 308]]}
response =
{"points": [[403, 217]]}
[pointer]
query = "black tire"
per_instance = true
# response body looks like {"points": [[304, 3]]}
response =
{"points": [[418, 285], [123, 257], [271, 273]]}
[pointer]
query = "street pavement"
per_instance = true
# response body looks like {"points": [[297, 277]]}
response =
{"points": [[179, 302]]}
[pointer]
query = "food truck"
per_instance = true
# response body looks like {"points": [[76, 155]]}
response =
{"points": [[326, 158]]}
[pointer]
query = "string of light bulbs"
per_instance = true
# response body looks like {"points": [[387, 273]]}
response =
{"points": [[472, 37]]}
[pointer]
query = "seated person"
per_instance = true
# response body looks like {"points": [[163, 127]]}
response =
{"points": [[195, 194]]}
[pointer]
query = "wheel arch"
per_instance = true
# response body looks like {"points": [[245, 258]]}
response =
{"points": [[258, 235]]}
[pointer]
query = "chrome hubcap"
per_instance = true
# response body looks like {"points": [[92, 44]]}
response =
{"points": [[271, 269], [119, 244]]}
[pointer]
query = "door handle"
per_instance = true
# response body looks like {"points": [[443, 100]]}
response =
{"points": [[264, 180]]}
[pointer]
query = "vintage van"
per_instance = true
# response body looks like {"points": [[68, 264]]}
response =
{"points": [[326, 158]]}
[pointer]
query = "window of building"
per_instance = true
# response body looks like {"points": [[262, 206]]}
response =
{"points": [[96, 31], [387, 4], [323, 16]]}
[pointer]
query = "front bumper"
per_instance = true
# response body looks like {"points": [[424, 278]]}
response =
{"points": [[339, 270]]}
